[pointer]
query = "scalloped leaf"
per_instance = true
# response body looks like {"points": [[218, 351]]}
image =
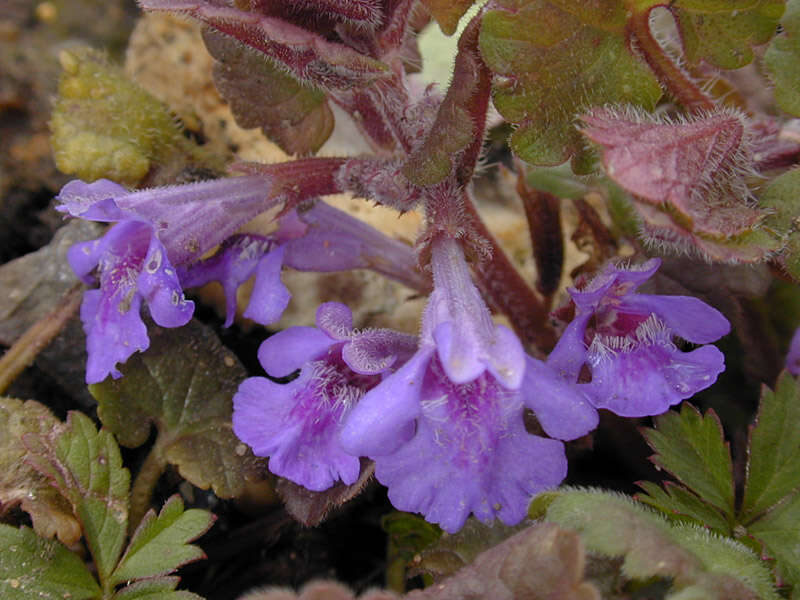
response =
{"points": [[183, 385], [553, 60], [448, 12], [160, 543], [33, 568], [158, 588], [773, 465], [304, 54], [21, 484], [691, 447], [722, 32], [782, 60], [85, 465], [294, 116]]}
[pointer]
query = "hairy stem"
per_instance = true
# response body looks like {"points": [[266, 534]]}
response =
{"points": [[144, 484], [37, 337], [668, 73], [508, 292]]}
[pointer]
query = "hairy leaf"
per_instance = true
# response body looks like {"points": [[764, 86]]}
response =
{"points": [[723, 31], [160, 543], [452, 146], [306, 55], [783, 60], [541, 561], [680, 504], [696, 560], [33, 568], [312, 508], [773, 466], [555, 59], [21, 484], [294, 116], [86, 467], [183, 385], [448, 12], [778, 532], [691, 447], [780, 197], [104, 125]]}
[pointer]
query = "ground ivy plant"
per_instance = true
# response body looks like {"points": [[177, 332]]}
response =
{"points": [[627, 130]]}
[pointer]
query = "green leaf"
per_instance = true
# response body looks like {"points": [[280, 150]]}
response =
{"points": [[782, 60], [86, 467], [21, 484], [33, 568], [679, 504], [160, 543], [779, 531], [691, 448], [773, 466], [159, 588], [448, 12], [552, 61], [723, 31], [699, 563], [184, 385]]}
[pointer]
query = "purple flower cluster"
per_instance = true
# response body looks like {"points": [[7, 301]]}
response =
{"points": [[442, 416]]}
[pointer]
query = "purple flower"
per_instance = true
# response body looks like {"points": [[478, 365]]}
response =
{"points": [[297, 424], [446, 430], [157, 231], [793, 356], [636, 368]]}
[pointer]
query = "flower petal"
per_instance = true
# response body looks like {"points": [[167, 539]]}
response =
{"points": [[563, 411], [288, 350], [158, 283], [688, 317], [96, 201], [382, 421], [270, 297]]}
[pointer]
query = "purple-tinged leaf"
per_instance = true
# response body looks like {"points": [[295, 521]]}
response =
{"points": [[448, 12], [306, 55], [552, 60], [294, 116], [453, 144], [311, 508]]}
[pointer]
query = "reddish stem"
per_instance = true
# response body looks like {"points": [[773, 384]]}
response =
{"points": [[678, 83]]}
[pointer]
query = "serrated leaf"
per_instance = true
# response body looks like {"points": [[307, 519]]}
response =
{"points": [[679, 504], [779, 531], [86, 467], [159, 588], [553, 60], [160, 543], [294, 116], [104, 125], [782, 60], [448, 12], [21, 484], [723, 31], [183, 385], [773, 466], [307, 55], [691, 447], [33, 568]]}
